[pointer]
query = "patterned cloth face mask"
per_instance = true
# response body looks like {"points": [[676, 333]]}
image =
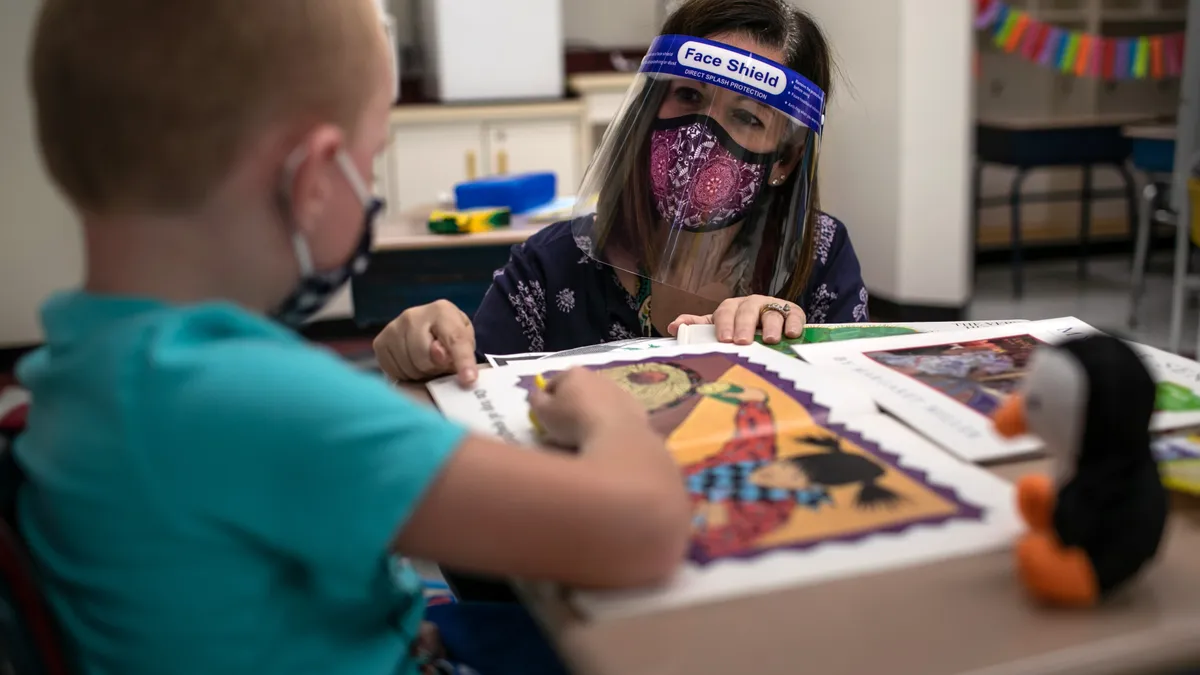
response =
{"points": [[315, 289], [701, 178]]}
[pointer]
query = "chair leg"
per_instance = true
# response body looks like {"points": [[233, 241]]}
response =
{"points": [[1179, 286], [1085, 220], [1142, 229], [976, 195], [1015, 240]]}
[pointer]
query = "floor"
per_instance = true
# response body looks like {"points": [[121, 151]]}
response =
{"points": [[1053, 289]]}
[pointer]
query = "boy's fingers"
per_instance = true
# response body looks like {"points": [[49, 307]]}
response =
{"points": [[420, 356], [387, 362], [458, 341]]}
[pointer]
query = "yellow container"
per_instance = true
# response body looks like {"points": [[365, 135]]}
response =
{"points": [[1194, 207]]}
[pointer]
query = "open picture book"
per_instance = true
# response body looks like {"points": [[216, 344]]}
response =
{"points": [[946, 385], [795, 475]]}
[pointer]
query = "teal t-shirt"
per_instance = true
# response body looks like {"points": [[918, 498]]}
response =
{"points": [[208, 493]]}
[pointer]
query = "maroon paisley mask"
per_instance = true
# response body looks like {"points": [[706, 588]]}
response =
{"points": [[701, 178]]}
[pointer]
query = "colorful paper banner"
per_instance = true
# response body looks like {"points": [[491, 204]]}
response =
{"points": [[1078, 53]]}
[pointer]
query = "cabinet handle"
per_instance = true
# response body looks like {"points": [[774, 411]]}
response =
{"points": [[472, 172], [502, 162]]}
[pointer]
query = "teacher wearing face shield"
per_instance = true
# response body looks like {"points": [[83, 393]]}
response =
{"points": [[700, 206]]}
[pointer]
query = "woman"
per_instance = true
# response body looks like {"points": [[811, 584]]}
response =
{"points": [[700, 207]]}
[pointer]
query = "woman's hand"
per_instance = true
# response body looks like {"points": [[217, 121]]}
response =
{"points": [[433, 339], [738, 319]]}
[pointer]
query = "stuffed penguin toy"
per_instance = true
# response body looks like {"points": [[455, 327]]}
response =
{"points": [[1100, 518]]}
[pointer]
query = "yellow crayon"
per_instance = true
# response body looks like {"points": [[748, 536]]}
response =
{"points": [[540, 383]]}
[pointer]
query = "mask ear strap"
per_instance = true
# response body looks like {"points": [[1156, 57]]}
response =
{"points": [[353, 177], [299, 244]]}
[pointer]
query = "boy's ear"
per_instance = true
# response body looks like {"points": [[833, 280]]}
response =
{"points": [[309, 176]]}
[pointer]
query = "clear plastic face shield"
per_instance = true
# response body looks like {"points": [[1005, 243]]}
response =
{"points": [[704, 181]]}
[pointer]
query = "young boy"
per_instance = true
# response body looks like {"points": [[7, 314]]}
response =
{"points": [[206, 492]]}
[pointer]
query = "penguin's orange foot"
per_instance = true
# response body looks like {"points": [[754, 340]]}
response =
{"points": [[1035, 499], [1054, 574]]}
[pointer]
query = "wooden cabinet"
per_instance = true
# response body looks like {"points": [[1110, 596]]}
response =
{"points": [[427, 160], [435, 147], [521, 146]]}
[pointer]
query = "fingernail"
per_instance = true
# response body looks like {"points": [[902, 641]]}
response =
{"points": [[471, 374], [725, 336]]}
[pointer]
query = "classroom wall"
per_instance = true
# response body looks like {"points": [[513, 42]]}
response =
{"points": [[40, 247], [897, 146], [586, 23]]}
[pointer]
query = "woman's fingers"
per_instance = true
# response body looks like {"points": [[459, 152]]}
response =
{"points": [[725, 317], [772, 326], [746, 320], [796, 320], [688, 320]]}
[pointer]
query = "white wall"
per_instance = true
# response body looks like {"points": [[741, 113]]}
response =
{"points": [[39, 242], [896, 154], [601, 23]]}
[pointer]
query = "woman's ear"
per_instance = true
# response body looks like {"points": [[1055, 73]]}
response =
{"points": [[782, 169]]}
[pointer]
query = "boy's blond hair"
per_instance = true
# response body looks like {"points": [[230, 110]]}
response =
{"points": [[145, 105]]}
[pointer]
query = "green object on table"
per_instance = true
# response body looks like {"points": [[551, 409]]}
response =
{"points": [[1174, 397], [816, 334]]}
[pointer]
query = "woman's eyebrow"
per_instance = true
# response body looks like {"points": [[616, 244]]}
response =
{"points": [[755, 101]]}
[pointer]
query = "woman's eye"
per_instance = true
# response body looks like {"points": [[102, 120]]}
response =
{"points": [[687, 95], [747, 118]]}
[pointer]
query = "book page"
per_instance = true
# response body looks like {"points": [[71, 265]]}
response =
{"points": [[794, 476], [947, 385], [842, 332], [498, 403]]}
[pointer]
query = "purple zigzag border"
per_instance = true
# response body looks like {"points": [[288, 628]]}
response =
{"points": [[820, 414]]}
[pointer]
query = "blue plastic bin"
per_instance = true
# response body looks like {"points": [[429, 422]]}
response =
{"points": [[521, 193]]}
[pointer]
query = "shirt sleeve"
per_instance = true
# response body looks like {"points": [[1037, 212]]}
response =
{"points": [[836, 292], [303, 454], [512, 317]]}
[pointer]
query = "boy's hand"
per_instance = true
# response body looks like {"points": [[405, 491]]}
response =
{"points": [[430, 340], [580, 403]]}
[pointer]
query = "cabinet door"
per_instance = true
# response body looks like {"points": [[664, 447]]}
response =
{"points": [[425, 161], [550, 144]]}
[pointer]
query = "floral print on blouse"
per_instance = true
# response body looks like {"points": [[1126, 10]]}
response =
{"points": [[551, 296]]}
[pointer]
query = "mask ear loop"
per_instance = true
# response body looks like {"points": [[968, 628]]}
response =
{"points": [[299, 245], [354, 178]]}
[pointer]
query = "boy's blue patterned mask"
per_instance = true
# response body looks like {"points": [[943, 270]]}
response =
{"points": [[315, 288]]}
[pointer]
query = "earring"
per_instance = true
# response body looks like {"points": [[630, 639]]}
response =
{"points": [[777, 182]]}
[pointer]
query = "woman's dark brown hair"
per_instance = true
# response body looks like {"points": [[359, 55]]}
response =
{"points": [[626, 217]]}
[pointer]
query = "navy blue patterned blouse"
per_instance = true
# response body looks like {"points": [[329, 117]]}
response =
{"points": [[551, 296]]}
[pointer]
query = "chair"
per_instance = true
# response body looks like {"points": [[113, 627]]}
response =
{"points": [[30, 641], [1152, 212]]}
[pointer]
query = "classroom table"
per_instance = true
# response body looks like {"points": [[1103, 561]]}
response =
{"points": [[961, 616], [411, 267], [1030, 144]]}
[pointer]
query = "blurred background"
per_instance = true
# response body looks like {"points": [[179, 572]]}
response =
{"points": [[992, 160]]}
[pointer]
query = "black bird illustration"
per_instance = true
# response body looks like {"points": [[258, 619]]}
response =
{"points": [[836, 467]]}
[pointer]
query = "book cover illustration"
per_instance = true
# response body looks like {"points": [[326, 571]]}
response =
{"points": [[1178, 456], [793, 482], [947, 385]]}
